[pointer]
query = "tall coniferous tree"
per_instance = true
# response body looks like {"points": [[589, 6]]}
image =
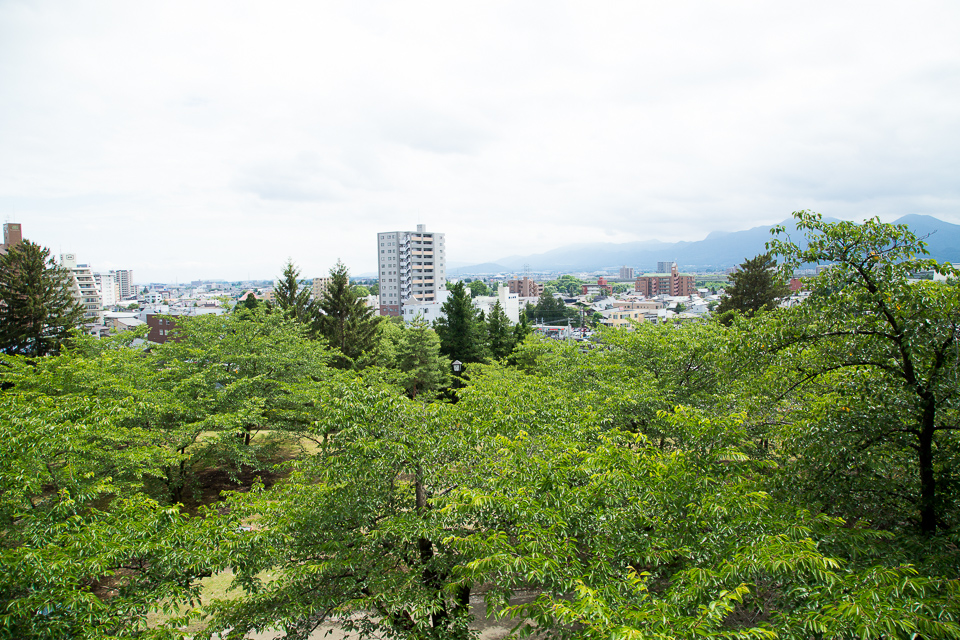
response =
{"points": [[550, 308], [460, 329], [38, 307], [345, 320], [292, 298], [522, 329], [755, 285], [499, 334], [424, 370]]}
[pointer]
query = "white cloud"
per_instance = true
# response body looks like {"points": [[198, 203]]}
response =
{"points": [[216, 139]]}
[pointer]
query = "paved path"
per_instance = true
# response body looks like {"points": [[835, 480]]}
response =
{"points": [[489, 628]]}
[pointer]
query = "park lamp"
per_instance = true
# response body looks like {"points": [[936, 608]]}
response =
{"points": [[457, 366]]}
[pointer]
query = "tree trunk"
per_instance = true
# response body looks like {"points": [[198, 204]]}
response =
{"points": [[928, 483]]}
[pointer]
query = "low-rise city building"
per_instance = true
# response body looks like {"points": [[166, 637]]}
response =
{"points": [[525, 287], [671, 283]]}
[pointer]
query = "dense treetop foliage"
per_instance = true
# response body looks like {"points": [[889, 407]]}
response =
{"points": [[461, 328], [38, 308], [293, 298], [755, 286], [791, 475], [345, 320]]}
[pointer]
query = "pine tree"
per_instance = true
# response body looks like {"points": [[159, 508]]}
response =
{"points": [[550, 308], [38, 308], [424, 370], [499, 335], [755, 285], [346, 321], [293, 299], [460, 328], [251, 307], [522, 329]]}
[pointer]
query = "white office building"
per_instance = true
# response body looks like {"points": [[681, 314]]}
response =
{"points": [[412, 268]]}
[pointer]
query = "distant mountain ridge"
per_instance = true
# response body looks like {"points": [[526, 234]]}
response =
{"points": [[719, 250]]}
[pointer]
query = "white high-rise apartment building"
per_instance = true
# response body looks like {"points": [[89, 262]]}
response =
{"points": [[319, 287], [124, 278], [412, 268], [108, 288], [84, 288]]}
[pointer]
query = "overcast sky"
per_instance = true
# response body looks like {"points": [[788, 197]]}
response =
{"points": [[189, 140]]}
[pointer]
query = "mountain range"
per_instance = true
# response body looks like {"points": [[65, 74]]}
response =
{"points": [[718, 251]]}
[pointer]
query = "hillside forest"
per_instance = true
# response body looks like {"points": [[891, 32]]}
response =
{"points": [[789, 473]]}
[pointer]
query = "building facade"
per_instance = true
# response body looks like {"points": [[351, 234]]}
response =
{"points": [[599, 289], [162, 328], [124, 279], [108, 287], [626, 273], [12, 236], [84, 288], [619, 317], [525, 287], [412, 268], [319, 287], [670, 283]]}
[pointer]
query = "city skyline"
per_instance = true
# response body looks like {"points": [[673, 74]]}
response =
{"points": [[216, 140]]}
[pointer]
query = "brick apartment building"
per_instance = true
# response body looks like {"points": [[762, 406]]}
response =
{"points": [[671, 284], [161, 328], [525, 287], [601, 288]]}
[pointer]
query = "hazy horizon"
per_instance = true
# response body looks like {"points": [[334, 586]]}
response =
{"points": [[218, 139]]}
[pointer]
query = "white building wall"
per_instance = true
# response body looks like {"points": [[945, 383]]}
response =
{"points": [[107, 286], [124, 280], [510, 303], [411, 268], [429, 311], [84, 288]]}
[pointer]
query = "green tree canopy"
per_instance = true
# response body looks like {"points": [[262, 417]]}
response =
{"points": [[90, 549], [479, 288], [551, 309], [755, 285], [424, 371], [293, 298], [38, 308], [410, 354], [522, 329], [361, 291], [567, 284], [874, 357], [250, 305], [500, 335], [346, 321], [462, 335]]}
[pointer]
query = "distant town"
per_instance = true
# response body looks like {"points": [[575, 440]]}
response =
{"points": [[412, 281]]}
